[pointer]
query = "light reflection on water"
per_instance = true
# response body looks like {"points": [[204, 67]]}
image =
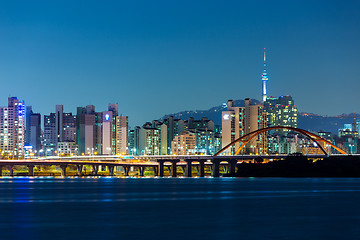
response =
{"points": [[204, 208]]}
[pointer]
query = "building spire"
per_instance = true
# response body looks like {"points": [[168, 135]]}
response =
{"points": [[264, 79]]}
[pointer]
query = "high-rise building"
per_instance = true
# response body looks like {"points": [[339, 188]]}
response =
{"points": [[108, 142], [28, 112], [184, 144], [204, 131], [238, 121], [12, 128], [69, 128], [149, 141], [134, 141], [232, 125], [86, 130], [174, 128], [255, 118], [32, 130], [50, 137], [281, 111], [59, 116], [35, 133], [101, 132], [122, 128], [59, 128]]}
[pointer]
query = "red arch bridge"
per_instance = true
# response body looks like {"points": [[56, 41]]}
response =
{"points": [[157, 165]]}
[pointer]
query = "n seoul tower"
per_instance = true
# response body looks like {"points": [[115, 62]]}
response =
{"points": [[264, 79]]}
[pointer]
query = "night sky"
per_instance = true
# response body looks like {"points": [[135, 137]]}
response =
{"points": [[160, 57]]}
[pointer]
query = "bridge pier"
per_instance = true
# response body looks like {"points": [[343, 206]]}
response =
{"points": [[141, 171], [126, 169], [1, 168], [174, 168], [11, 170], [216, 168], [188, 168], [79, 169], [95, 169], [31, 170], [111, 170], [232, 166], [201, 168], [155, 168], [63, 170], [161, 169]]}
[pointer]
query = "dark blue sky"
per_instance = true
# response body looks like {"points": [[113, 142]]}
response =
{"points": [[159, 57]]}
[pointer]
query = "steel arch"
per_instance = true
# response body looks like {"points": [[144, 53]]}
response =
{"points": [[247, 138]]}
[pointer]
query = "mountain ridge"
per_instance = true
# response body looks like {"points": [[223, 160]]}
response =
{"points": [[307, 121]]}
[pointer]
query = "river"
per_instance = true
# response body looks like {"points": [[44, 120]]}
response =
{"points": [[179, 208]]}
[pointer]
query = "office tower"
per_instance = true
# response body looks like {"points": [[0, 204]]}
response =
{"points": [[264, 79], [12, 128], [281, 111], [238, 121]]}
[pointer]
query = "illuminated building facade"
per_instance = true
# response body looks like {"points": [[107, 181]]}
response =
{"points": [[122, 128], [184, 144], [204, 130], [149, 141], [33, 131], [349, 138], [281, 111], [67, 148], [174, 128], [58, 127], [12, 128], [238, 121]]}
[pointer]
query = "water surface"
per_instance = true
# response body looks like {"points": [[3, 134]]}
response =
{"points": [[179, 208]]}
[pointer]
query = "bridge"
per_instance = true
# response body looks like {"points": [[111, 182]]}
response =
{"points": [[157, 164]]}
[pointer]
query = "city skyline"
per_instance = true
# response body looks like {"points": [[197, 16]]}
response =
{"points": [[138, 56]]}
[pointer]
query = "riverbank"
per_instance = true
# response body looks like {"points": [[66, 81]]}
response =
{"points": [[300, 166]]}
